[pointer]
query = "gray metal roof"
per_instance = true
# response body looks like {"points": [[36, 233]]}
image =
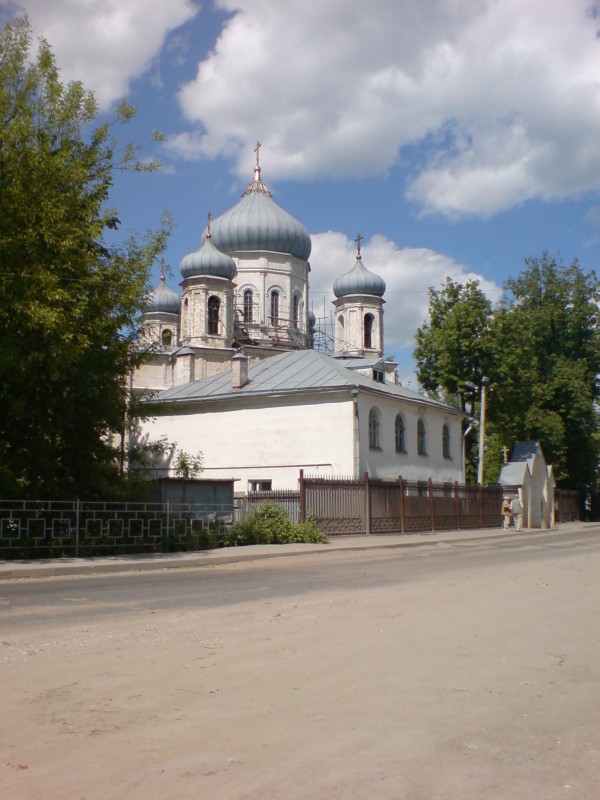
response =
{"points": [[513, 473], [293, 372], [256, 222], [208, 261], [359, 280], [163, 299], [358, 362]]}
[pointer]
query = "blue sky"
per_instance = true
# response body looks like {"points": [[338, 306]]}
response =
{"points": [[457, 136]]}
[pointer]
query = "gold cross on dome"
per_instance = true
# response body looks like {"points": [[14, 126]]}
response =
{"points": [[256, 150]]}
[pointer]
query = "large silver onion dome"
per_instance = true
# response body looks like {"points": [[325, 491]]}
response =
{"points": [[359, 280], [208, 261], [258, 223], [163, 300]]}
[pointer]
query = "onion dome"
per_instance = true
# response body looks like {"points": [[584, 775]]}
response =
{"points": [[208, 261], [359, 280], [258, 223], [163, 300]]}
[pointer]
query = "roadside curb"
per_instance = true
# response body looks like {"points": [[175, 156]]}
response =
{"points": [[157, 562]]}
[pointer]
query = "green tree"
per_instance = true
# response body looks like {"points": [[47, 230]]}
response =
{"points": [[69, 301], [188, 465], [454, 345], [546, 364]]}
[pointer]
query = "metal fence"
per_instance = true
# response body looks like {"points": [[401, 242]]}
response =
{"points": [[566, 505], [39, 529], [289, 501], [366, 505]]}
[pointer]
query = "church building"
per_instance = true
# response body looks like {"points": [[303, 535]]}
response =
{"points": [[240, 371]]}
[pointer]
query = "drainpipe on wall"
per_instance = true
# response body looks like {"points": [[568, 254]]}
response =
{"points": [[354, 394]]}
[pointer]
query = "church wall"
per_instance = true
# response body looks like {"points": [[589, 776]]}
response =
{"points": [[266, 443], [387, 463], [156, 375], [266, 272]]}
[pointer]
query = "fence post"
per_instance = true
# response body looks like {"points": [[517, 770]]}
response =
{"points": [[480, 493], [168, 537], [457, 504], [431, 508], [401, 484], [302, 497], [77, 529], [367, 504]]}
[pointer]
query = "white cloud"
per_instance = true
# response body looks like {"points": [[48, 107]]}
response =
{"points": [[501, 98], [408, 274], [105, 43]]}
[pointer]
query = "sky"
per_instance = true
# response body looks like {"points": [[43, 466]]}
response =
{"points": [[458, 137]]}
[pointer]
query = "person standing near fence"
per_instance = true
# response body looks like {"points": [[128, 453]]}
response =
{"points": [[517, 511], [506, 516]]}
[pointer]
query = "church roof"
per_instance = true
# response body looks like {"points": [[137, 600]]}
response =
{"points": [[293, 372], [208, 261], [359, 280], [256, 222], [163, 300]]}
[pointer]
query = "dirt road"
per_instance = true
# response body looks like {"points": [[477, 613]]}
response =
{"points": [[478, 686]]}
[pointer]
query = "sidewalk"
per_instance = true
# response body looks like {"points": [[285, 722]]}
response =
{"points": [[51, 567]]}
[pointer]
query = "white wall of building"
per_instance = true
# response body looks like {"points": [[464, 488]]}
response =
{"points": [[276, 437], [387, 463], [271, 442]]}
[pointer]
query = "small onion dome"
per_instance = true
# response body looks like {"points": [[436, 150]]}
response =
{"points": [[258, 223], [163, 300], [208, 261], [359, 281]]}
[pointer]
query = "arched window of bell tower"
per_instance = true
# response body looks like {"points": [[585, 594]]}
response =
{"points": [[214, 306], [368, 331]]}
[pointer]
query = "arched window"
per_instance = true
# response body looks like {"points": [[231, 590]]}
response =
{"points": [[421, 438], [400, 434], [446, 442], [368, 331], [274, 307], [295, 310], [374, 429], [214, 304], [167, 337], [248, 301]]}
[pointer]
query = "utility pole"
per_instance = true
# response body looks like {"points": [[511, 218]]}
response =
{"points": [[482, 389], [484, 383]]}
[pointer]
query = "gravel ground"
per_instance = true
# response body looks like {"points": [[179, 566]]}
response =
{"points": [[473, 686]]}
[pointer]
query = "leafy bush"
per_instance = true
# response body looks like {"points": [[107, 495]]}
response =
{"points": [[269, 524]]}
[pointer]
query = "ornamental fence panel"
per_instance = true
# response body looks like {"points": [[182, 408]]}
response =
{"points": [[74, 528]]}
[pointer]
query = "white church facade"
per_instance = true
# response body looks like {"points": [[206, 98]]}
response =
{"points": [[234, 373]]}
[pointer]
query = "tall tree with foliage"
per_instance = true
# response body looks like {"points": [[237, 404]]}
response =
{"points": [[540, 348], [69, 301], [454, 345], [546, 365]]}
